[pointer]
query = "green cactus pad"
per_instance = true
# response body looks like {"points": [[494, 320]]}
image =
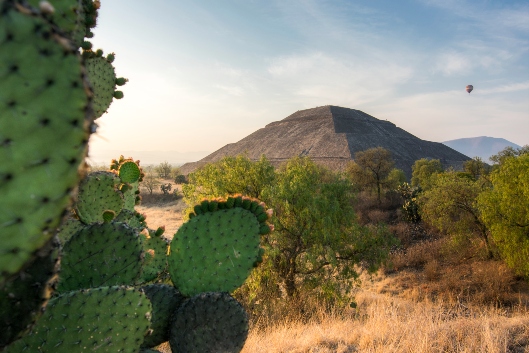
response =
{"points": [[102, 76], [214, 251], [129, 172], [23, 296], [165, 300], [130, 196], [98, 193], [68, 229], [69, 16], [155, 256], [209, 322], [101, 254], [133, 219], [44, 128], [104, 319]]}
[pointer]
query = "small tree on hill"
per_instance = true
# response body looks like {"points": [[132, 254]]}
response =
{"points": [[422, 171], [371, 168]]}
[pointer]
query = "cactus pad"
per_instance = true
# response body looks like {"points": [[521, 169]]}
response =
{"points": [[133, 219], [102, 76], [68, 229], [98, 193], [44, 120], [129, 172], [23, 296], [214, 251], [165, 300], [155, 256], [209, 322], [104, 319], [101, 254]]}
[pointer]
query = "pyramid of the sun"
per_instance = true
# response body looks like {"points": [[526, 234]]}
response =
{"points": [[331, 136]]}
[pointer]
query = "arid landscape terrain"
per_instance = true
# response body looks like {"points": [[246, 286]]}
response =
{"points": [[421, 301]]}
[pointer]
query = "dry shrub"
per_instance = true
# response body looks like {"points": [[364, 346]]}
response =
{"points": [[402, 231], [432, 270], [417, 255], [378, 216]]}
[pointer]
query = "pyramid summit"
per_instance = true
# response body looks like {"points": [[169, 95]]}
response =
{"points": [[331, 136]]}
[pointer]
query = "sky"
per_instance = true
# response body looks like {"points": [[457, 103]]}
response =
{"points": [[205, 73]]}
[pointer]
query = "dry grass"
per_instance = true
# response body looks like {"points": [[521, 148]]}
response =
{"points": [[385, 324], [162, 210], [430, 300]]}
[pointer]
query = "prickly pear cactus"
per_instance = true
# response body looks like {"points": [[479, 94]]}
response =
{"points": [[45, 117], [216, 249], [209, 322], [165, 300], [102, 76], [23, 296], [101, 254], [154, 255], [104, 319], [98, 192]]}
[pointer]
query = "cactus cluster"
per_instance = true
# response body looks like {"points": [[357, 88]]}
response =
{"points": [[108, 294]]}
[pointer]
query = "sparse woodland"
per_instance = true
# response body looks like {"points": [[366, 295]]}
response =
{"points": [[364, 261]]}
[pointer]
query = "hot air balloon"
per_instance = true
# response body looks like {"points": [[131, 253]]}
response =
{"points": [[469, 88]]}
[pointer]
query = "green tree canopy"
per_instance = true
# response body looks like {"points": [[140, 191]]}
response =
{"points": [[371, 169], [450, 205], [476, 168], [505, 210], [507, 152], [422, 171], [316, 240], [230, 175]]}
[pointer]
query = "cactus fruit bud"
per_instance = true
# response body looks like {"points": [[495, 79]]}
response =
{"points": [[118, 94], [86, 45], [46, 8], [159, 231], [269, 213], [111, 57], [89, 34], [108, 216], [99, 52], [121, 81]]}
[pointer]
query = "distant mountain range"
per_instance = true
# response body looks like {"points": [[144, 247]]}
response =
{"points": [[482, 146]]}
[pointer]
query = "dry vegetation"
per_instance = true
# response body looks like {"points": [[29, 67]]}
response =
{"points": [[436, 294]]}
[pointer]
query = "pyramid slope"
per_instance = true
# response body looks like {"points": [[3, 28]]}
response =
{"points": [[331, 136]]}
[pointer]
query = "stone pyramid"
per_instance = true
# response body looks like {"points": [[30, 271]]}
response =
{"points": [[331, 136]]}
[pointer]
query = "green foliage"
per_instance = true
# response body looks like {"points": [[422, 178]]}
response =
{"points": [[371, 169], [476, 168], [410, 205], [180, 179], [423, 170], [505, 210], [508, 152], [229, 176], [450, 205]]}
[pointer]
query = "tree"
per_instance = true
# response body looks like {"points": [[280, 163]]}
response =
{"points": [[507, 152], [476, 168], [422, 171], [316, 235], [150, 180], [230, 175], [450, 205], [505, 210], [371, 168], [164, 170]]}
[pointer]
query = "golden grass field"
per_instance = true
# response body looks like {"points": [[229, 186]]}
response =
{"points": [[401, 310]]}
